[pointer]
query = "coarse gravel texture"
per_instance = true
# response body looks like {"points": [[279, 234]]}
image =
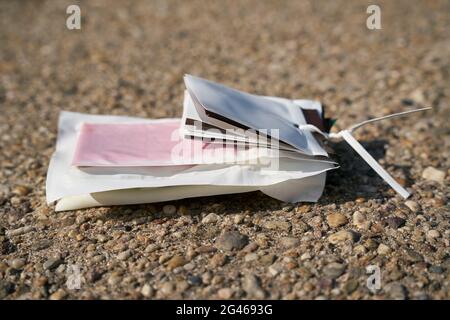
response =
{"points": [[129, 59]]}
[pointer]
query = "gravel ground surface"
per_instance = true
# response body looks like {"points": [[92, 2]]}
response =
{"points": [[129, 59]]}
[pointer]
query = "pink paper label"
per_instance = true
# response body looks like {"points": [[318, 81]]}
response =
{"points": [[142, 144]]}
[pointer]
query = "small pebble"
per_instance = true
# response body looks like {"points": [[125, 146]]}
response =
{"points": [[412, 205], [189, 266], [58, 295], [251, 257], [19, 231], [183, 210], [210, 218], [251, 285], [21, 190], [152, 248], [169, 209], [433, 234], [277, 225], [167, 288], [350, 286], [176, 261], [124, 255], [395, 222], [433, 174], [334, 270], [114, 279], [218, 260], [305, 256], [17, 263], [383, 249], [194, 280], [238, 219], [343, 235], [231, 240], [335, 220], [52, 263], [147, 291], [225, 293], [289, 242], [360, 221], [267, 259]]}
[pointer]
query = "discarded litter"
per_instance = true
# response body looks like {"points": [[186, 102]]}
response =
{"points": [[227, 141]]}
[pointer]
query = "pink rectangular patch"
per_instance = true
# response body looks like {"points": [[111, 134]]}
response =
{"points": [[140, 144]]}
